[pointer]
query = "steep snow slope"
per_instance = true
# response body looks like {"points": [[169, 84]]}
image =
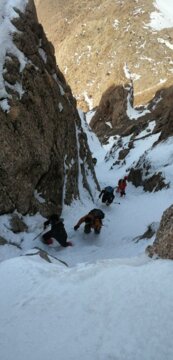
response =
{"points": [[113, 302], [123, 222], [119, 309]]}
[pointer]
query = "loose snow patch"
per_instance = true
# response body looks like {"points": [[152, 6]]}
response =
{"points": [[161, 158], [129, 75], [88, 100], [166, 42], [163, 17], [135, 114]]}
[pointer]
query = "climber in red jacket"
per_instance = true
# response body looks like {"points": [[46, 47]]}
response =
{"points": [[122, 183]]}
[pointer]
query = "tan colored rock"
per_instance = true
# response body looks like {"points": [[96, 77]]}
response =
{"points": [[163, 244], [40, 134], [94, 39]]}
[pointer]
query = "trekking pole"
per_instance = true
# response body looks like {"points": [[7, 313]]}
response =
{"points": [[97, 201], [117, 203], [38, 235]]}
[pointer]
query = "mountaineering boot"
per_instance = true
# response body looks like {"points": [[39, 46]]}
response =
{"points": [[48, 241], [87, 228], [69, 243]]}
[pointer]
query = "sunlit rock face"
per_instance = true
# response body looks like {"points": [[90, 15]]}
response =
{"points": [[100, 43]]}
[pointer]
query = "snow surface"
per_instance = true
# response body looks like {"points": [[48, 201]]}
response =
{"points": [[112, 302], [88, 100], [43, 54], [166, 42], [129, 75], [163, 17], [134, 113], [7, 13], [109, 310]]}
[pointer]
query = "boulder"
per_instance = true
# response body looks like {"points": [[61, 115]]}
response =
{"points": [[17, 224], [112, 109], [123, 153], [163, 244]]}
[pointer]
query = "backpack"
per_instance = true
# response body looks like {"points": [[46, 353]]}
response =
{"points": [[97, 213], [109, 189], [120, 182]]}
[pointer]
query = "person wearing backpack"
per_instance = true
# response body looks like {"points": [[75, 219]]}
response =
{"points": [[57, 231], [107, 195], [93, 220], [122, 183]]}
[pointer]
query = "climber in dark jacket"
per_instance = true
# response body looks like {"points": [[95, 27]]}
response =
{"points": [[107, 195], [57, 231]]}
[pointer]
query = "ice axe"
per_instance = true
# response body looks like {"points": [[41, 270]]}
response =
{"points": [[38, 235]]}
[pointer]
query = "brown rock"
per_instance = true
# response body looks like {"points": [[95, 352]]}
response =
{"points": [[17, 224], [123, 153], [135, 176], [94, 40], [148, 234], [3, 241], [163, 244], [38, 137], [162, 112], [45, 256], [112, 108], [155, 183]]}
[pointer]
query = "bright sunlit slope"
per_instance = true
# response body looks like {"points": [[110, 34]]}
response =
{"points": [[94, 39]]}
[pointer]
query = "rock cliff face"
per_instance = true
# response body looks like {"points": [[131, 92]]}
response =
{"points": [[42, 145], [116, 116], [161, 110], [111, 116], [116, 113], [163, 245]]}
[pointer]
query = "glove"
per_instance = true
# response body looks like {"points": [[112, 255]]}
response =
{"points": [[76, 227]]}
